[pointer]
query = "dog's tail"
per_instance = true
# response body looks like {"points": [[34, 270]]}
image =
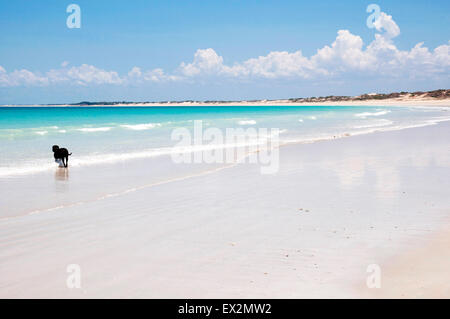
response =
{"points": [[70, 154]]}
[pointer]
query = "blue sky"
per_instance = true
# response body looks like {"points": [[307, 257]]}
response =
{"points": [[218, 49]]}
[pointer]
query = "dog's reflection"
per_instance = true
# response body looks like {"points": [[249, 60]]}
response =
{"points": [[62, 174]]}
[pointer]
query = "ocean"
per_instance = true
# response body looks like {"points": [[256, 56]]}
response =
{"points": [[97, 135]]}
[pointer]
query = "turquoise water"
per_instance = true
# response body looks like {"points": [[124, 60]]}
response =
{"points": [[110, 134]]}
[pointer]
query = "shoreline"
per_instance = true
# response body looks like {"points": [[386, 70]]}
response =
{"points": [[283, 144], [410, 102], [235, 233]]}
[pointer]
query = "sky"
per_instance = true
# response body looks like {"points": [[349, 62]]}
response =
{"points": [[219, 50]]}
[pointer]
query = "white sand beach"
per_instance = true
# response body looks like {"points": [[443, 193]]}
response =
{"points": [[406, 100], [387, 102], [153, 229], [384, 102]]}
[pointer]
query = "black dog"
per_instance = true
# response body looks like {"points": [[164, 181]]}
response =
{"points": [[61, 154]]}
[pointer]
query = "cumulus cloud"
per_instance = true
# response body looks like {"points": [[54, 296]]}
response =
{"points": [[21, 77], [205, 61], [385, 22], [84, 75], [347, 55], [136, 75], [279, 64], [80, 75]]}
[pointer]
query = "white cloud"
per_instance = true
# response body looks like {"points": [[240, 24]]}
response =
{"points": [[205, 62], [136, 75], [442, 54], [346, 56], [21, 77], [158, 75], [83, 75], [86, 74], [388, 24], [345, 53], [279, 64]]}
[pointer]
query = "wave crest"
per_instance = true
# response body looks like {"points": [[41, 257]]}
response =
{"points": [[366, 114], [140, 127]]}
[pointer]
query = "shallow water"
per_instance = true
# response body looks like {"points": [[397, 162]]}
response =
{"points": [[117, 134]]}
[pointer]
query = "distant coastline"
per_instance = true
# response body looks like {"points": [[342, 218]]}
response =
{"points": [[429, 98]]}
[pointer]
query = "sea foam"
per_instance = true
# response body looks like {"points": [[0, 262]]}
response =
{"points": [[366, 114], [247, 122], [140, 127], [94, 129]]}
